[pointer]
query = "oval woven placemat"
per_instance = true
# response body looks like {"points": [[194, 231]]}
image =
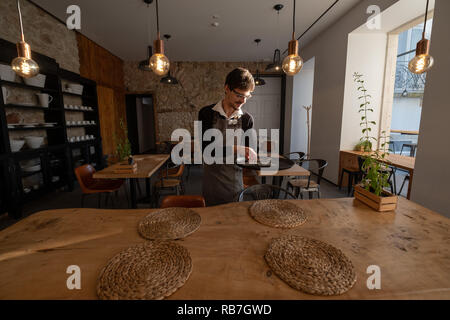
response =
{"points": [[151, 270], [278, 213], [169, 224], [310, 265]]}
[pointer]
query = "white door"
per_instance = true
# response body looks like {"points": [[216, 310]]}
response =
{"points": [[265, 105]]}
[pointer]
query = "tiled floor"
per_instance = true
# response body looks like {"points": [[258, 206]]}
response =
{"points": [[59, 200]]}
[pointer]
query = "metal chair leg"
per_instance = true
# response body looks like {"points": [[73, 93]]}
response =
{"points": [[350, 184], [82, 200], [99, 200], [125, 187], [107, 195], [340, 181]]}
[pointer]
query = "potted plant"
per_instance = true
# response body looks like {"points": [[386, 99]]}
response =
{"points": [[375, 176], [123, 146]]}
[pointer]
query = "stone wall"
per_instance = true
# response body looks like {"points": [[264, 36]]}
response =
{"points": [[177, 106], [43, 33]]}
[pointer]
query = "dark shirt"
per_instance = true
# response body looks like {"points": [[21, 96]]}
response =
{"points": [[206, 116]]}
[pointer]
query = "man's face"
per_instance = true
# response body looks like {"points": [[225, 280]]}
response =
{"points": [[236, 98]]}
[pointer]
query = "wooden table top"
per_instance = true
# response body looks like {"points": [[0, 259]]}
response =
{"points": [[396, 160], [147, 165], [406, 132], [411, 246], [295, 170]]}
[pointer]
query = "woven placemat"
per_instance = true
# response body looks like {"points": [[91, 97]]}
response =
{"points": [[151, 270], [278, 213], [310, 265], [169, 223]]}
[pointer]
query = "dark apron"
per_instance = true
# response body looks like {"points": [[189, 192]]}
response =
{"points": [[222, 183]]}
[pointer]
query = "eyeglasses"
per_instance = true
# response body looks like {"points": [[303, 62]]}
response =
{"points": [[241, 95]]}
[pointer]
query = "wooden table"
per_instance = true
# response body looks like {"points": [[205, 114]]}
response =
{"points": [[349, 159], [411, 246], [147, 165], [278, 175], [405, 132]]}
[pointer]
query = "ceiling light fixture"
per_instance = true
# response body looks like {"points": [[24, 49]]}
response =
{"points": [[159, 62], [144, 65], [422, 62], [258, 81], [276, 62], [23, 65], [293, 63], [168, 79]]}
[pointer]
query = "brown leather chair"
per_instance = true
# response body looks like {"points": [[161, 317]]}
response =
{"points": [[183, 202], [89, 185]]}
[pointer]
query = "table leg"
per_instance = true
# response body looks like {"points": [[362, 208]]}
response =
{"points": [[408, 196], [133, 198], [263, 180], [148, 192]]}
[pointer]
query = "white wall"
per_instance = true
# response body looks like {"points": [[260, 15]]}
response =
{"points": [[265, 105], [406, 113], [366, 54], [330, 52], [432, 171], [303, 83]]}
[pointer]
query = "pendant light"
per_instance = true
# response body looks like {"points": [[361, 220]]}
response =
{"points": [[159, 62], [23, 65], [168, 79], [293, 63], [422, 62], [276, 62], [144, 65], [258, 81]]}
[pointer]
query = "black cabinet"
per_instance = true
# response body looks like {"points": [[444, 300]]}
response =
{"points": [[37, 151]]}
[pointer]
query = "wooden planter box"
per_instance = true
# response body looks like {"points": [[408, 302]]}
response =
{"points": [[386, 203]]}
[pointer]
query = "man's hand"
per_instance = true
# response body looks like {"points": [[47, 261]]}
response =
{"points": [[249, 154]]}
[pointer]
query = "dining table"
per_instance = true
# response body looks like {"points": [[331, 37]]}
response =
{"points": [[278, 174], [410, 248], [147, 166], [349, 159]]}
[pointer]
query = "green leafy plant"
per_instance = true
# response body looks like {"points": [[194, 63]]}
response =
{"points": [[123, 145], [375, 174]]}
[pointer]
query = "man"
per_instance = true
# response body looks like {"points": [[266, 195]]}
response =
{"points": [[222, 183]]}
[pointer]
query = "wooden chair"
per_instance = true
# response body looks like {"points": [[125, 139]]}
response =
{"points": [[183, 201], [170, 179], [308, 185], [89, 185]]}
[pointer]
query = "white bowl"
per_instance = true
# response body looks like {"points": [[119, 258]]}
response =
{"points": [[34, 142], [32, 168], [16, 145], [7, 73], [75, 88], [37, 81]]}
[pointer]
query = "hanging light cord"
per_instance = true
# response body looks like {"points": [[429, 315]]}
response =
{"points": [[20, 20], [157, 18], [293, 23], [324, 13], [425, 24]]}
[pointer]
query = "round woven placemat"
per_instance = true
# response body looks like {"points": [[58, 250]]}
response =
{"points": [[278, 213], [169, 223], [151, 270], [310, 265]]}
